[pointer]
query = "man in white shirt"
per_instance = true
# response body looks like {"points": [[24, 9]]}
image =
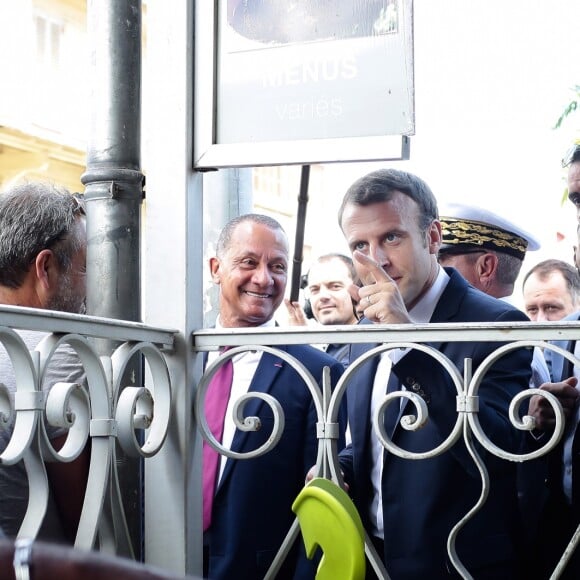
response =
{"points": [[551, 291]]}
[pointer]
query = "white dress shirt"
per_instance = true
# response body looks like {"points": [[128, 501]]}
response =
{"points": [[245, 365]]}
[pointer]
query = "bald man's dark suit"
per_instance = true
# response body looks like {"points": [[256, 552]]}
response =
{"points": [[251, 512]]}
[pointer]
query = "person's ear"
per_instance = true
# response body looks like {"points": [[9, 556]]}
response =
{"points": [[214, 266], [434, 237], [46, 276], [486, 266], [44, 267]]}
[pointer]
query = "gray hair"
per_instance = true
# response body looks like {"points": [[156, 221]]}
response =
{"points": [[35, 216], [225, 238], [508, 267]]}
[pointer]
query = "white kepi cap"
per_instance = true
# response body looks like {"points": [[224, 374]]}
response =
{"points": [[470, 228]]}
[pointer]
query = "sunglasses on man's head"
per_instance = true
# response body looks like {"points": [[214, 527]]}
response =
{"points": [[572, 155]]}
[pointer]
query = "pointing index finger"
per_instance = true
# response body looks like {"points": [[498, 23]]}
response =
{"points": [[375, 269]]}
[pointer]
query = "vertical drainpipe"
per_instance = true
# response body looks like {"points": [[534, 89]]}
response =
{"points": [[114, 193]]}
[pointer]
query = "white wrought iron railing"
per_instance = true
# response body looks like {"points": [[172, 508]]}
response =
{"points": [[138, 416], [327, 402], [100, 413]]}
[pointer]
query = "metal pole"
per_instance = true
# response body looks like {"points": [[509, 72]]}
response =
{"points": [[114, 192], [113, 179], [299, 239]]}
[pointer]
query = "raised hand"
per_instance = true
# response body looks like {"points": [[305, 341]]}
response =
{"points": [[380, 300], [541, 409], [296, 316]]}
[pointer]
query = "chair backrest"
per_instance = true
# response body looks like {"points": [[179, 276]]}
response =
{"points": [[50, 561], [329, 519]]}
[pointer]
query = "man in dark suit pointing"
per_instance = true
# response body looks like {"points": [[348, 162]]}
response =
{"points": [[390, 221]]}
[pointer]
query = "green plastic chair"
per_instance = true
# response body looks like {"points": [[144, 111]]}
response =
{"points": [[329, 519]]}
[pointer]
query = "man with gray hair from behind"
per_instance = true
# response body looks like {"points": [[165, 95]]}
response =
{"points": [[42, 248], [43, 265]]}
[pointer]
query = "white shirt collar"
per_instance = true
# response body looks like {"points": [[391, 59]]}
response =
{"points": [[266, 324], [423, 310]]}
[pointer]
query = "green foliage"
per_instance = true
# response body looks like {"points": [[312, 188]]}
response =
{"points": [[570, 108]]}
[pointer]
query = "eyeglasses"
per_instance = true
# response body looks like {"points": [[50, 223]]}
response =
{"points": [[79, 204], [572, 155]]}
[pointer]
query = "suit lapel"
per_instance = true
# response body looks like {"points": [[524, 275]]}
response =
{"points": [[395, 410], [359, 395], [448, 305], [568, 366], [359, 403], [561, 367]]}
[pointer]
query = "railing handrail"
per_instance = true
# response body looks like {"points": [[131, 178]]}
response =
{"points": [[23, 318], [212, 339]]}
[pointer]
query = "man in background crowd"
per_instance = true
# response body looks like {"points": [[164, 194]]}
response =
{"points": [[561, 513], [488, 251], [551, 291], [328, 293]]}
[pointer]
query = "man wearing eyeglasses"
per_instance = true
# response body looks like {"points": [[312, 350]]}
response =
{"points": [[561, 512]]}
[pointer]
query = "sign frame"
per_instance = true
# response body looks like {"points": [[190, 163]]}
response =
{"points": [[209, 154]]}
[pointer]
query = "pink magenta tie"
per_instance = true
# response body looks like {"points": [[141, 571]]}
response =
{"points": [[216, 402]]}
